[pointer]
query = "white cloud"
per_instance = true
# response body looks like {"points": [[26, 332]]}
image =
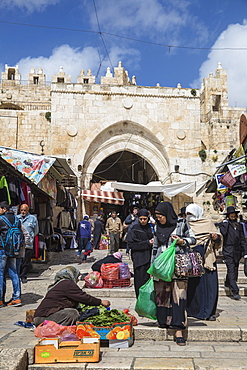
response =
{"points": [[233, 61], [30, 5], [159, 20], [74, 59]]}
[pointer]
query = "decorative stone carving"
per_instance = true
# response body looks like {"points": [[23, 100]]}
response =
{"points": [[181, 134], [72, 130], [128, 103]]}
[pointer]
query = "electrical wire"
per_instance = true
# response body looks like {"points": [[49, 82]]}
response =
{"points": [[101, 35], [116, 159], [169, 46]]}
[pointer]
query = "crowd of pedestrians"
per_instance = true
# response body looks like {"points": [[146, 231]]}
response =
{"points": [[146, 238]]}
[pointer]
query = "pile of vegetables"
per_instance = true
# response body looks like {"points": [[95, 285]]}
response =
{"points": [[105, 318]]}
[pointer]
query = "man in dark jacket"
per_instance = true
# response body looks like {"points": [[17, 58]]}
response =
{"points": [[97, 231], [83, 234], [6, 261], [234, 247]]}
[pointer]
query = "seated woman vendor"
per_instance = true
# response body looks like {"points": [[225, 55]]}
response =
{"points": [[111, 258], [62, 298]]}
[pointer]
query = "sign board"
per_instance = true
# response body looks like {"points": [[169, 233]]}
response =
{"points": [[237, 168]]}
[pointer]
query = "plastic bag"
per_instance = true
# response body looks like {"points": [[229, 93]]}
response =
{"points": [[110, 271], [146, 301], [50, 329], [164, 265], [124, 271], [93, 280], [88, 249]]}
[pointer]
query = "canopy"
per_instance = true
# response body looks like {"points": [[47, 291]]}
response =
{"points": [[113, 197], [35, 166], [169, 190]]}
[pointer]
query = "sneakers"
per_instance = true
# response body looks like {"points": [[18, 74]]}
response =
{"points": [[24, 280], [15, 303], [2, 304]]}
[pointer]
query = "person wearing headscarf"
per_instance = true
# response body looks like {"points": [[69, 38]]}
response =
{"points": [[171, 296], [62, 298], [111, 258], [140, 240], [202, 294]]}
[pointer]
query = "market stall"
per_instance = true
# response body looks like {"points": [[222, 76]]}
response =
{"points": [[35, 180]]}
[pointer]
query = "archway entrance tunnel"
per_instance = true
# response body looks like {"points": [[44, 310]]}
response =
{"points": [[126, 166]]}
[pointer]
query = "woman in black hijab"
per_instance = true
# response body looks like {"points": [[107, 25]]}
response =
{"points": [[140, 240], [171, 296]]}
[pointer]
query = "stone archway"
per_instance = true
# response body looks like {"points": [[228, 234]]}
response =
{"points": [[125, 136]]}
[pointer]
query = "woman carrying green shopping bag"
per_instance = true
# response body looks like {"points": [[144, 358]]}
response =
{"points": [[171, 296]]}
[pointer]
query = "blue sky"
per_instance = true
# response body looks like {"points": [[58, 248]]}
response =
{"points": [[202, 25]]}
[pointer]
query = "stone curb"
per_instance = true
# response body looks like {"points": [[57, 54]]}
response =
{"points": [[13, 359]]}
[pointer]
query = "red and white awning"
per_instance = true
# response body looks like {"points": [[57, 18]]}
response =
{"points": [[113, 197]]}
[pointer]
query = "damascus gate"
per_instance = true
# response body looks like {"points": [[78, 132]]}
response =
{"points": [[116, 130]]}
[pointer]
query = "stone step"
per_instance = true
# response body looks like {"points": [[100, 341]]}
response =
{"points": [[130, 293], [165, 355]]}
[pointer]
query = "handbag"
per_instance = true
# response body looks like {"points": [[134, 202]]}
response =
{"points": [[188, 264]]}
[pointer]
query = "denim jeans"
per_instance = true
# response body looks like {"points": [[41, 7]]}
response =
{"points": [[82, 245], [10, 264]]}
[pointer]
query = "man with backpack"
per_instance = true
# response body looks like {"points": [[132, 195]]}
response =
{"points": [[31, 224], [11, 240]]}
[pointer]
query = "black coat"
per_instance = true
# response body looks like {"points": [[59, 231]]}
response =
{"points": [[234, 243], [138, 242], [98, 228]]}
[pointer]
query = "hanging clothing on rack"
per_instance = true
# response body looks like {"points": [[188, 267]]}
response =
{"points": [[4, 190]]}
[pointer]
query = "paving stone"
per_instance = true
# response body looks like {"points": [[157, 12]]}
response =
{"points": [[220, 364], [66, 366], [244, 333], [163, 364], [112, 363]]}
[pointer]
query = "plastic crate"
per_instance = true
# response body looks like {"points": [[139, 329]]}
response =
{"points": [[120, 283]]}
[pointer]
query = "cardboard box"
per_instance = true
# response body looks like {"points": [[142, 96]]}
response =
{"points": [[119, 331], [116, 343], [52, 350]]}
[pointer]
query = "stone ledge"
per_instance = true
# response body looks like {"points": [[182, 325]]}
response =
{"points": [[13, 359], [199, 334]]}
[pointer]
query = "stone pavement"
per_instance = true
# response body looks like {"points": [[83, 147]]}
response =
{"points": [[211, 345]]}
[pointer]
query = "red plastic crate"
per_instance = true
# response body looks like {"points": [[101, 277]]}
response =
{"points": [[120, 283]]}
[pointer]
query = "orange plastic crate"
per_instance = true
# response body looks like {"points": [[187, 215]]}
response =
{"points": [[120, 283]]}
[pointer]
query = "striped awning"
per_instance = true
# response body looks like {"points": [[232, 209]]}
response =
{"points": [[113, 197]]}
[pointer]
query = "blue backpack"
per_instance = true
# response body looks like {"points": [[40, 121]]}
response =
{"points": [[14, 238]]}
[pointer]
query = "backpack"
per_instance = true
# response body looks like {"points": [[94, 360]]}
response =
{"points": [[14, 238]]}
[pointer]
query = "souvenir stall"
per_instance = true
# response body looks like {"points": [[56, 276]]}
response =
{"points": [[39, 178]]}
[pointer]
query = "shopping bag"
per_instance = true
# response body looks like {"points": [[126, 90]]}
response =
{"points": [[110, 271], [93, 280], [164, 265], [50, 329], [146, 302]]}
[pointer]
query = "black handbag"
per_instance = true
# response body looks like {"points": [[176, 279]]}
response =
{"points": [[188, 264]]}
